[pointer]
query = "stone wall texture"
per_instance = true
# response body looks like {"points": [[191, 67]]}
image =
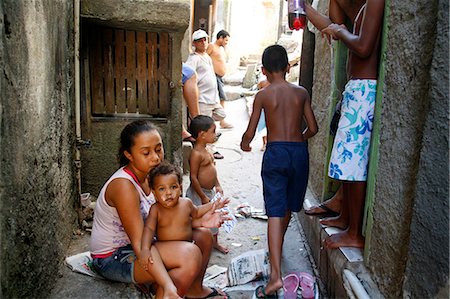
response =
{"points": [[401, 193], [428, 251], [37, 181], [321, 100]]}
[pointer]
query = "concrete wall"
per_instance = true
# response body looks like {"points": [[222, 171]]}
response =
{"points": [[321, 100], [429, 242], [402, 193], [99, 162], [37, 181]]}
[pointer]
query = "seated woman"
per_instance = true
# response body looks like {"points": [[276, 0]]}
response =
{"points": [[122, 206]]}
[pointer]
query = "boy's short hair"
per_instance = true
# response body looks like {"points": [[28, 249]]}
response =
{"points": [[200, 123], [275, 59], [164, 168], [222, 33]]}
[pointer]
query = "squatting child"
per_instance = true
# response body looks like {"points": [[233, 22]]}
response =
{"points": [[171, 217], [203, 173], [285, 164]]}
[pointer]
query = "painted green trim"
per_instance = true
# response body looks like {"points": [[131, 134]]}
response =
{"points": [[330, 186], [375, 140]]}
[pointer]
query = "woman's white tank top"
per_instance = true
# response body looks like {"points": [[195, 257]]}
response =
{"points": [[108, 233]]}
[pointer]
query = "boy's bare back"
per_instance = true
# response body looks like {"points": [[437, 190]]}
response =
{"points": [[283, 104], [173, 224]]}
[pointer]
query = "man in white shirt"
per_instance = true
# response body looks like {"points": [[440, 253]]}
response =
{"points": [[200, 61]]}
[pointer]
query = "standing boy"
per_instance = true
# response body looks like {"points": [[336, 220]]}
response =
{"points": [[203, 173], [216, 51], [285, 163], [350, 154]]}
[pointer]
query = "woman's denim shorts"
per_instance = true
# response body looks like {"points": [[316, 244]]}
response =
{"points": [[117, 267]]}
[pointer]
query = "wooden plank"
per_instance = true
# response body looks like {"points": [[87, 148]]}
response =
{"points": [[164, 73], [119, 70], [152, 48], [130, 46], [110, 107], [95, 54], [142, 100]]}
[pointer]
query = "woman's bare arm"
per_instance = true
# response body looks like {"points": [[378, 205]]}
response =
{"points": [[122, 195]]}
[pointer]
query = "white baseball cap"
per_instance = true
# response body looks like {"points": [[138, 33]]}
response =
{"points": [[199, 34]]}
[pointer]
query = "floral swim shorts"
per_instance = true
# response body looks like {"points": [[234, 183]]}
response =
{"points": [[350, 154]]}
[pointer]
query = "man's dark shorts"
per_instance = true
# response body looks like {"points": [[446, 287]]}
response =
{"points": [[284, 172], [220, 85]]}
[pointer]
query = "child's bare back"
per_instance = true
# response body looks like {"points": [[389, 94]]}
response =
{"points": [[283, 105], [174, 224]]}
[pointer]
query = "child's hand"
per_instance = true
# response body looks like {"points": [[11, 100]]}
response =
{"points": [[219, 204], [245, 147], [145, 258], [332, 30], [219, 189], [214, 217]]}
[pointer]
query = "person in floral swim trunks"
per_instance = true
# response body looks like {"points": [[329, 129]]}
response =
{"points": [[350, 154]]}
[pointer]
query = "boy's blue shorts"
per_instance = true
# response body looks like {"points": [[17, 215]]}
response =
{"points": [[284, 173], [117, 267]]}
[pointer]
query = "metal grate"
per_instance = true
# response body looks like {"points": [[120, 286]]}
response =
{"points": [[129, 72]]}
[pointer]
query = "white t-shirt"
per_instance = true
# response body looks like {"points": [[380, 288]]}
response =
{"points": [[206, 78], [108, 233]]}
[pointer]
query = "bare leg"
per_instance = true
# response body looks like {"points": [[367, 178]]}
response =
{"points": [[203, 239], [223, 123], [340, 221], [333, 203], [218, 246], [354, 197], [276, 229], [173, 274]]}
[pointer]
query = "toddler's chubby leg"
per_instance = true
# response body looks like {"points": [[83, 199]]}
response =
{"points": [[182, 271]]}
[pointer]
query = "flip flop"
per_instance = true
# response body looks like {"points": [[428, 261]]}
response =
{"points": [[214, 293], [218, 156], [290, 286], [263, 291], [328, 212], [307, 283]]}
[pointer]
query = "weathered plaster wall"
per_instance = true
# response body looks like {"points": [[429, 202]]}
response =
{"points": [[166, 15], [37, 181], [405, 109], [99, 162], [321, 100], [429, 243]]}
